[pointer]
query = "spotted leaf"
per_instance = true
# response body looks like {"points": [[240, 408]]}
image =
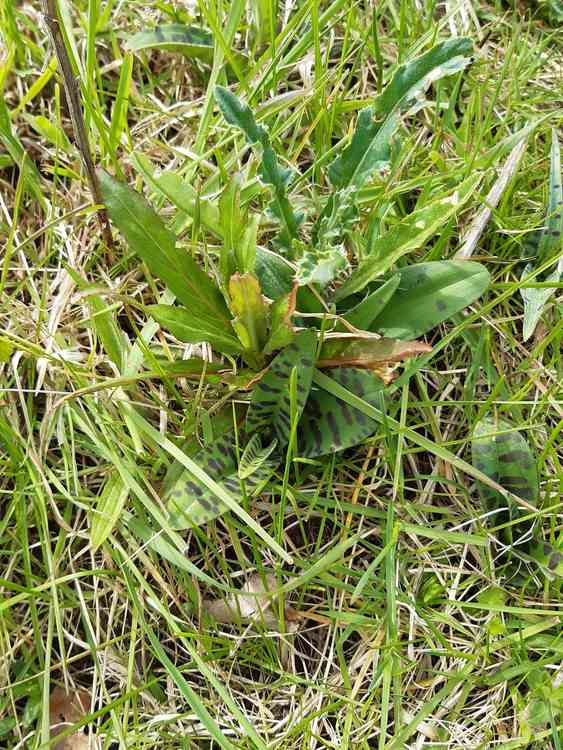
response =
{"points": [[504, 456], [270, 406], [191, 503], [254, 456], [428, 294], [329, 424]]}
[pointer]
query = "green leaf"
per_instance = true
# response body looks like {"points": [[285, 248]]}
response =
{"points": [[416, 75], [156, 245], [549, 244], [270, 406], [107, 509], [282, 332], [192, 326], [254, 456], [191, 41], [503, 455], [370, 146], [252, 312], [232, 226], [239, 114], [409, 234], [329, 424], [428, 294], [191, 503], [364, 313], [368, 151], [368, 353], [274, 273], [535, 300], [103, 321], [182, 195], [16, 150]]}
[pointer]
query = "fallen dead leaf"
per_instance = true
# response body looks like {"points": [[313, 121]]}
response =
{"points": [[253, 602], [66, 709]]}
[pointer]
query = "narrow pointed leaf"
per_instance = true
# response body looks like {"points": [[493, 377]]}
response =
{"points": [[549, 244], [409, 234], [254, 456], [329, 424], [239, 114], [107, 509], [193, 327], [416, 75], [270, 407], [370, 146], [428, 294], [181, 194], [535, 300], [147, 236]]}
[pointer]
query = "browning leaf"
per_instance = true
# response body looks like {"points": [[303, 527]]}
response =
{"points": [[66, 709], [253, 602]]}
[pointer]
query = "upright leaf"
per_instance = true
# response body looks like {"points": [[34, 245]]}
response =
{"points": [[252, 312], [107, 509], [239, 114], [409, 234], [270, 406], [428, 294], [182, 195], [549, 243], [254, 456], [416, 75], [368, 151], [281, 329], [329, 424], [156, 245], [369, 148]]}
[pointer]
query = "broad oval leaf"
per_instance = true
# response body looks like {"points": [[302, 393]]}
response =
{"points": [[428, 294], [329, 424], [191, 503], [504, 456], [192, 41], [276, 277], [193, 327], [365, 312], [270, 406], [147, 236]]}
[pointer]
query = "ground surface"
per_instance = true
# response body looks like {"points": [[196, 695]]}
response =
{"points": [[437, 648]]}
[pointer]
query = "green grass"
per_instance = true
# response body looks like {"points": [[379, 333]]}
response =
{"points": [[397, 624]]}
